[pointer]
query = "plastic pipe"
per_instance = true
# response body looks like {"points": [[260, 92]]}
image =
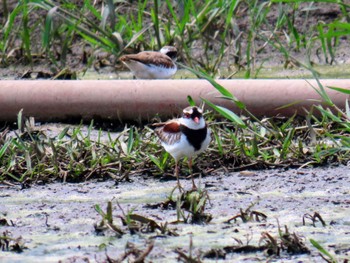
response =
{"points": [[143, 99]]}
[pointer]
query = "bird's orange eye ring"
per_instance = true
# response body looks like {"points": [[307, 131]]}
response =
{"points": [[187, 115]]}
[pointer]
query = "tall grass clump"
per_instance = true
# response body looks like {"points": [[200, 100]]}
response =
{"points": [[15, 26], [30, 155], [322, 137]]}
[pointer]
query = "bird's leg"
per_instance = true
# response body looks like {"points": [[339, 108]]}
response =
{"points": [[194, 187], [177, 175]]}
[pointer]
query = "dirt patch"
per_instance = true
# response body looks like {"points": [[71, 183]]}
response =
{"points": [[56, 221]]}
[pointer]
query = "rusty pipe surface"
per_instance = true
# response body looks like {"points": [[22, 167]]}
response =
{"points": [[143, 99]]}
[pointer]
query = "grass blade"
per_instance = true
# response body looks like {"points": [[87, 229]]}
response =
{"points": [[156, 161], [48, 26], [131, 140], [342, 90], [4, 148], [191, 101], [228, 114], [322, 250], [226, 93]]}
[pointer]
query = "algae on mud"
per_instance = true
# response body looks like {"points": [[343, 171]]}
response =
{"points": [[56, 221]]}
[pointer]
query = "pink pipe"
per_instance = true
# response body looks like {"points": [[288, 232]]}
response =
{"points": [[143, 99]]}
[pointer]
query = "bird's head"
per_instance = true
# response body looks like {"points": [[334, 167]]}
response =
{"points": [[193, 117], [170, 51]]}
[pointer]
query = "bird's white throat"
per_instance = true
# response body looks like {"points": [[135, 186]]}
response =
{"points": [[191, 124]]}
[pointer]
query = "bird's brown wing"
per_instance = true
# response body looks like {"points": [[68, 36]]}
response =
{"points": [[150, 57], [168, 132]]}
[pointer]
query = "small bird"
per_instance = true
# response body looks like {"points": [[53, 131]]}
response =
{"points": [[184, 137], [152, 64]]}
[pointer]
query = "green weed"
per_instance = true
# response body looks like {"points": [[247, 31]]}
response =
{"points": [[190, 207], [323, 252]]}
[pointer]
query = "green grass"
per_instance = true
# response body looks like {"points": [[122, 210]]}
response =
{"points": [[28, 154], [323, 252], [212, 36]]}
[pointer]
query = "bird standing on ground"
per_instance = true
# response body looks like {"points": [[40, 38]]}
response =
{"points": [[184, 137], [152, 64]]}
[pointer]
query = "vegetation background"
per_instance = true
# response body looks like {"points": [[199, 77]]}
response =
{"points": [[224, 38]]}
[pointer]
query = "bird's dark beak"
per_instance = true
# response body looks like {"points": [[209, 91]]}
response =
{"points": [[196, 119]]}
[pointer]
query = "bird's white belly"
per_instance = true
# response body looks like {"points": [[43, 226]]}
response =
{"points": [[142, 71], [161, 72], [180, 149], [183, 148]]}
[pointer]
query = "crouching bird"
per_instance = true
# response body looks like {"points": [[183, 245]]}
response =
{"points": [[184, 137], [152, 64]]}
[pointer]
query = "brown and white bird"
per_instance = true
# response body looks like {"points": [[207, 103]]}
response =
{"points": [[152, 64], [184, 137]]}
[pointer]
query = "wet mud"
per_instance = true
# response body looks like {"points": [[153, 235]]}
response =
{"points": [[56, 222]]}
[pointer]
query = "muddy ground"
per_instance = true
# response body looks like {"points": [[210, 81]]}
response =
{"points": [[56, 221]]}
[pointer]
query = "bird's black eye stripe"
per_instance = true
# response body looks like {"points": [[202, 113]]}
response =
{"points": [[171, 54], [196, 114]]}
